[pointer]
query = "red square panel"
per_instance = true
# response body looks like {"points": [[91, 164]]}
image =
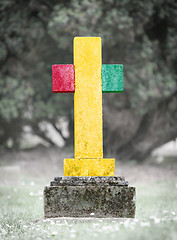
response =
{"points": [[63, 77]]}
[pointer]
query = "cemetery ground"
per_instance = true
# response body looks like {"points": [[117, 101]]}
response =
{"points": [[24, 174]]}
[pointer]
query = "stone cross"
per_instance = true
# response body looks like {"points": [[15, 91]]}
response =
{"points": [[88, 78]]}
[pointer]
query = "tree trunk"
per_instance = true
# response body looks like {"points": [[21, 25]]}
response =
{"points": [[156, 127]]}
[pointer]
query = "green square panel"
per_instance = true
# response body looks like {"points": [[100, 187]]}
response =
{"points": [[112, 77]]}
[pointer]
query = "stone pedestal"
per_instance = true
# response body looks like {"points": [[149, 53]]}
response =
{"points": [[103, 197]]}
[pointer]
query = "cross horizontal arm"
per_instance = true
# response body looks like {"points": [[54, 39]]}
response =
{"points": [[112, 77], [63, 76]]}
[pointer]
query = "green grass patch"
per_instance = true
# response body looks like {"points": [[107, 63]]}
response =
{"points": [[21, 216]]}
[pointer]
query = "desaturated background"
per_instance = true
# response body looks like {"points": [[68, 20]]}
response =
{"points": [[141, 35], [37, 126]]}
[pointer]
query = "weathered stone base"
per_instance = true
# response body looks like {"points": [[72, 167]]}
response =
{"points": [[89, 197]]}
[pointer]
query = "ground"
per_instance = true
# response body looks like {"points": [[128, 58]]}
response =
{"points": [[23, 176]]}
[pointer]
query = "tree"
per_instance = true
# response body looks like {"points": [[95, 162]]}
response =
{"points": [[141, 35]]}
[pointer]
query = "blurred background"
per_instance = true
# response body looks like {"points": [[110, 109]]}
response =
{"points": [[141, 35], [36, 125]]}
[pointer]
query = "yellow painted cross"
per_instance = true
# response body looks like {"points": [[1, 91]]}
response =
{"points": [[88, 78]]}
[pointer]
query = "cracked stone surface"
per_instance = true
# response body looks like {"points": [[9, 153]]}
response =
{"points": [[85, 181], [89, 197]]}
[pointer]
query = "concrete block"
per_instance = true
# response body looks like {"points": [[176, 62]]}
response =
{"points": [[106, 197], [89, 167]]}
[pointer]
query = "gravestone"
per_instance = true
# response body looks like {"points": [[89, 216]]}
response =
{"points": [[89, 187]]}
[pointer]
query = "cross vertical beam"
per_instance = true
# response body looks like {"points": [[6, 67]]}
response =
{"points": [[88, 98]]}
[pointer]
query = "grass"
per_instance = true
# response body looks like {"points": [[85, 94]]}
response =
{"points": [[21, 216], [21, 202]]}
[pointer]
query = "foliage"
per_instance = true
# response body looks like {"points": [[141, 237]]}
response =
{"points": [[35, 34]]}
